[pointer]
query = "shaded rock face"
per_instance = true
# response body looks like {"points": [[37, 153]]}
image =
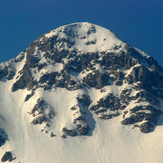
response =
{"points": [[69, 132], [25, 81], [111, 63], [129, 82], [81, 126], [2, 140], [80, 117], [3, 137], [107, 107], [139, 115], [29, 96], [143, 75], [147, 116], [146, 127], [7, 157], [42, 113], [7, 72], [96, 79]]}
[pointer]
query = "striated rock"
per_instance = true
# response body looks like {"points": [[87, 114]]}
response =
{"points": [[109, 102], [141, 113], [25, 81], [107, 107], [141, 73]]}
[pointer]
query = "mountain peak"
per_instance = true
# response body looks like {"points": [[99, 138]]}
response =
{"points": [[79, 83], [85, 37]]}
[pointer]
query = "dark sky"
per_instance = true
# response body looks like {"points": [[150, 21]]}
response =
{"points": [[138, 22]]}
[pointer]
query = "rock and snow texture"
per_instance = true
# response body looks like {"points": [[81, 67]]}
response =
{"points": [[81, 94]]}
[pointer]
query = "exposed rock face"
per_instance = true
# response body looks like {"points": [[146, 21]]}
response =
{"points": [[147, 115], [96, 79], [6, 71], [143, 75], [25, 81], [108, 107], [42, 113], [2, 140], [146, 127], [29, 96], [3, 137], [81, 126], [7, 157], [69, 132]]}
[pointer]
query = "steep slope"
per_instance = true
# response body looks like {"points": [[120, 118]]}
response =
{"points": [[80, 93]]}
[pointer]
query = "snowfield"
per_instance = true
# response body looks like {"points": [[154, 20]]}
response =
{"points": [[108, 142]]}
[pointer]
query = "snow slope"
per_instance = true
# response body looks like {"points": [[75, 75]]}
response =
{"points": [[109, 142]]}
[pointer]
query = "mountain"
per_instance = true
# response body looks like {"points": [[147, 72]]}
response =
{"points": [[81, 94]]}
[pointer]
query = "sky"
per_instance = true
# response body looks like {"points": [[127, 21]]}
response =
{"points": [[137, 22]]}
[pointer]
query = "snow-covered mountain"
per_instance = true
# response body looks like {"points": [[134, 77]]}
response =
{"points": [[81, 94]]}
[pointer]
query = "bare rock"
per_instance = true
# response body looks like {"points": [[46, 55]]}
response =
{"points": [[146, 127], [70, 132], [39, 119], [2, 140], [7, 157]]}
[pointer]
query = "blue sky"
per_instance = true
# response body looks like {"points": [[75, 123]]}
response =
{"points": [[138, 22]]}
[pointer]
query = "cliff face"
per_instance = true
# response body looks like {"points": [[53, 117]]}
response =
{"points": [[82, 74]]}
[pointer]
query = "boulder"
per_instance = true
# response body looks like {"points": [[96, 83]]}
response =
{"points": [[146, 127], [7, 157]]}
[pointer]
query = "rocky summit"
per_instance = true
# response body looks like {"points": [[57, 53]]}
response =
{"points": [[78, 83]]}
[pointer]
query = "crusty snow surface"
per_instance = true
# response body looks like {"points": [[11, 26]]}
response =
{"points": [[108, 141]]}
